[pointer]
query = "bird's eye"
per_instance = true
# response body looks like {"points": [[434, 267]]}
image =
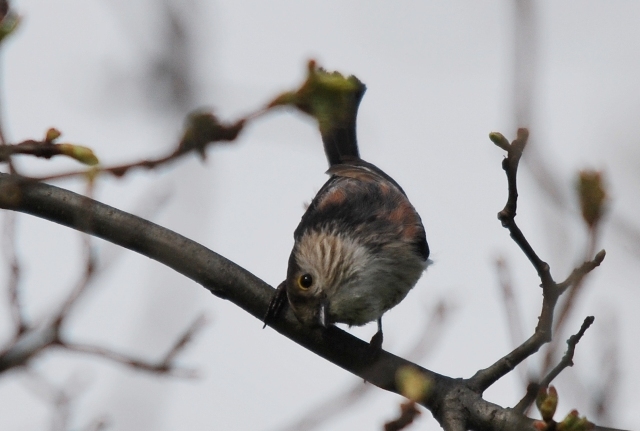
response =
{"points": [[305, 281]]}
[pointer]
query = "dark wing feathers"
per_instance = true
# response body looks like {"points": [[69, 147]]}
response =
{"points": [[358, 193]]}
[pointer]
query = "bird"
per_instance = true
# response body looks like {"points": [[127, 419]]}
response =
{"points": [[359, 249]]}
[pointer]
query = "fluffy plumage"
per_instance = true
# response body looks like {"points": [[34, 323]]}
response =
{"points": [[360, 247]]}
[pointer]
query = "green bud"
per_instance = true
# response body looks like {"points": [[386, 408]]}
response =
{"points": [[82, 154], [499, 139], [52, 134], [547, 402], [573, 422]]}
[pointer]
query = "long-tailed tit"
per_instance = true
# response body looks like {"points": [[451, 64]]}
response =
{"points": [[359, 248]]}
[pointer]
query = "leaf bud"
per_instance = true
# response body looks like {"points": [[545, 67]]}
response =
{"points": [[82, 154], [592, 196], [547, 402], [52, 134]]}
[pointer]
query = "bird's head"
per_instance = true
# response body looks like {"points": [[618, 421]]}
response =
{"points": [[322, 264]]}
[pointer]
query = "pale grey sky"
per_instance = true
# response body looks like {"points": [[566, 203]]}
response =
{"points": [[439, 78]]}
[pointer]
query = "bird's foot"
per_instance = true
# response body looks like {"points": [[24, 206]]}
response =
{"points": [[277, 304]]}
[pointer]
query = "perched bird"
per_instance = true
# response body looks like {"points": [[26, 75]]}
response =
{"points": [[359, 248]]}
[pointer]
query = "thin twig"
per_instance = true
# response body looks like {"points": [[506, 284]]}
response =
{"points": [[550, 290], [44, 149], [9, 249], [34, 341], [160, 367], [511, 308], [77, 291], [117, 170], [573, 290], [408, 413], [186, 338], [62, 399], [578, 273], [164, 366], [508, 214], [566, 361], [577, 284], [27, 346], [488, 376], [608, 379], [198, 135]]}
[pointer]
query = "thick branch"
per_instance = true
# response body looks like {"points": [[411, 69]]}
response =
{"points": [[453, 402], [220, 276], [339, 403], [229, 281]]}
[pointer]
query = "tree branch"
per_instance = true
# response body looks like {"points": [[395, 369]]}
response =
{"points": [[508, 214], [202, 129], [30, 341], [163, 366], [551, 290], [455, 403], [9, 249], [511, 308], [338, 403], [231, 282], [566, 361], [408, 413], [27, 346]]}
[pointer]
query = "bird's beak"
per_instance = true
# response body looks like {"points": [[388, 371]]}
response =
{"points": [[322, 314]]}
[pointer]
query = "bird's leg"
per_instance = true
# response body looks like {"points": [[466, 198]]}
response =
{"points": [[376, 340], [277, 304]]}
